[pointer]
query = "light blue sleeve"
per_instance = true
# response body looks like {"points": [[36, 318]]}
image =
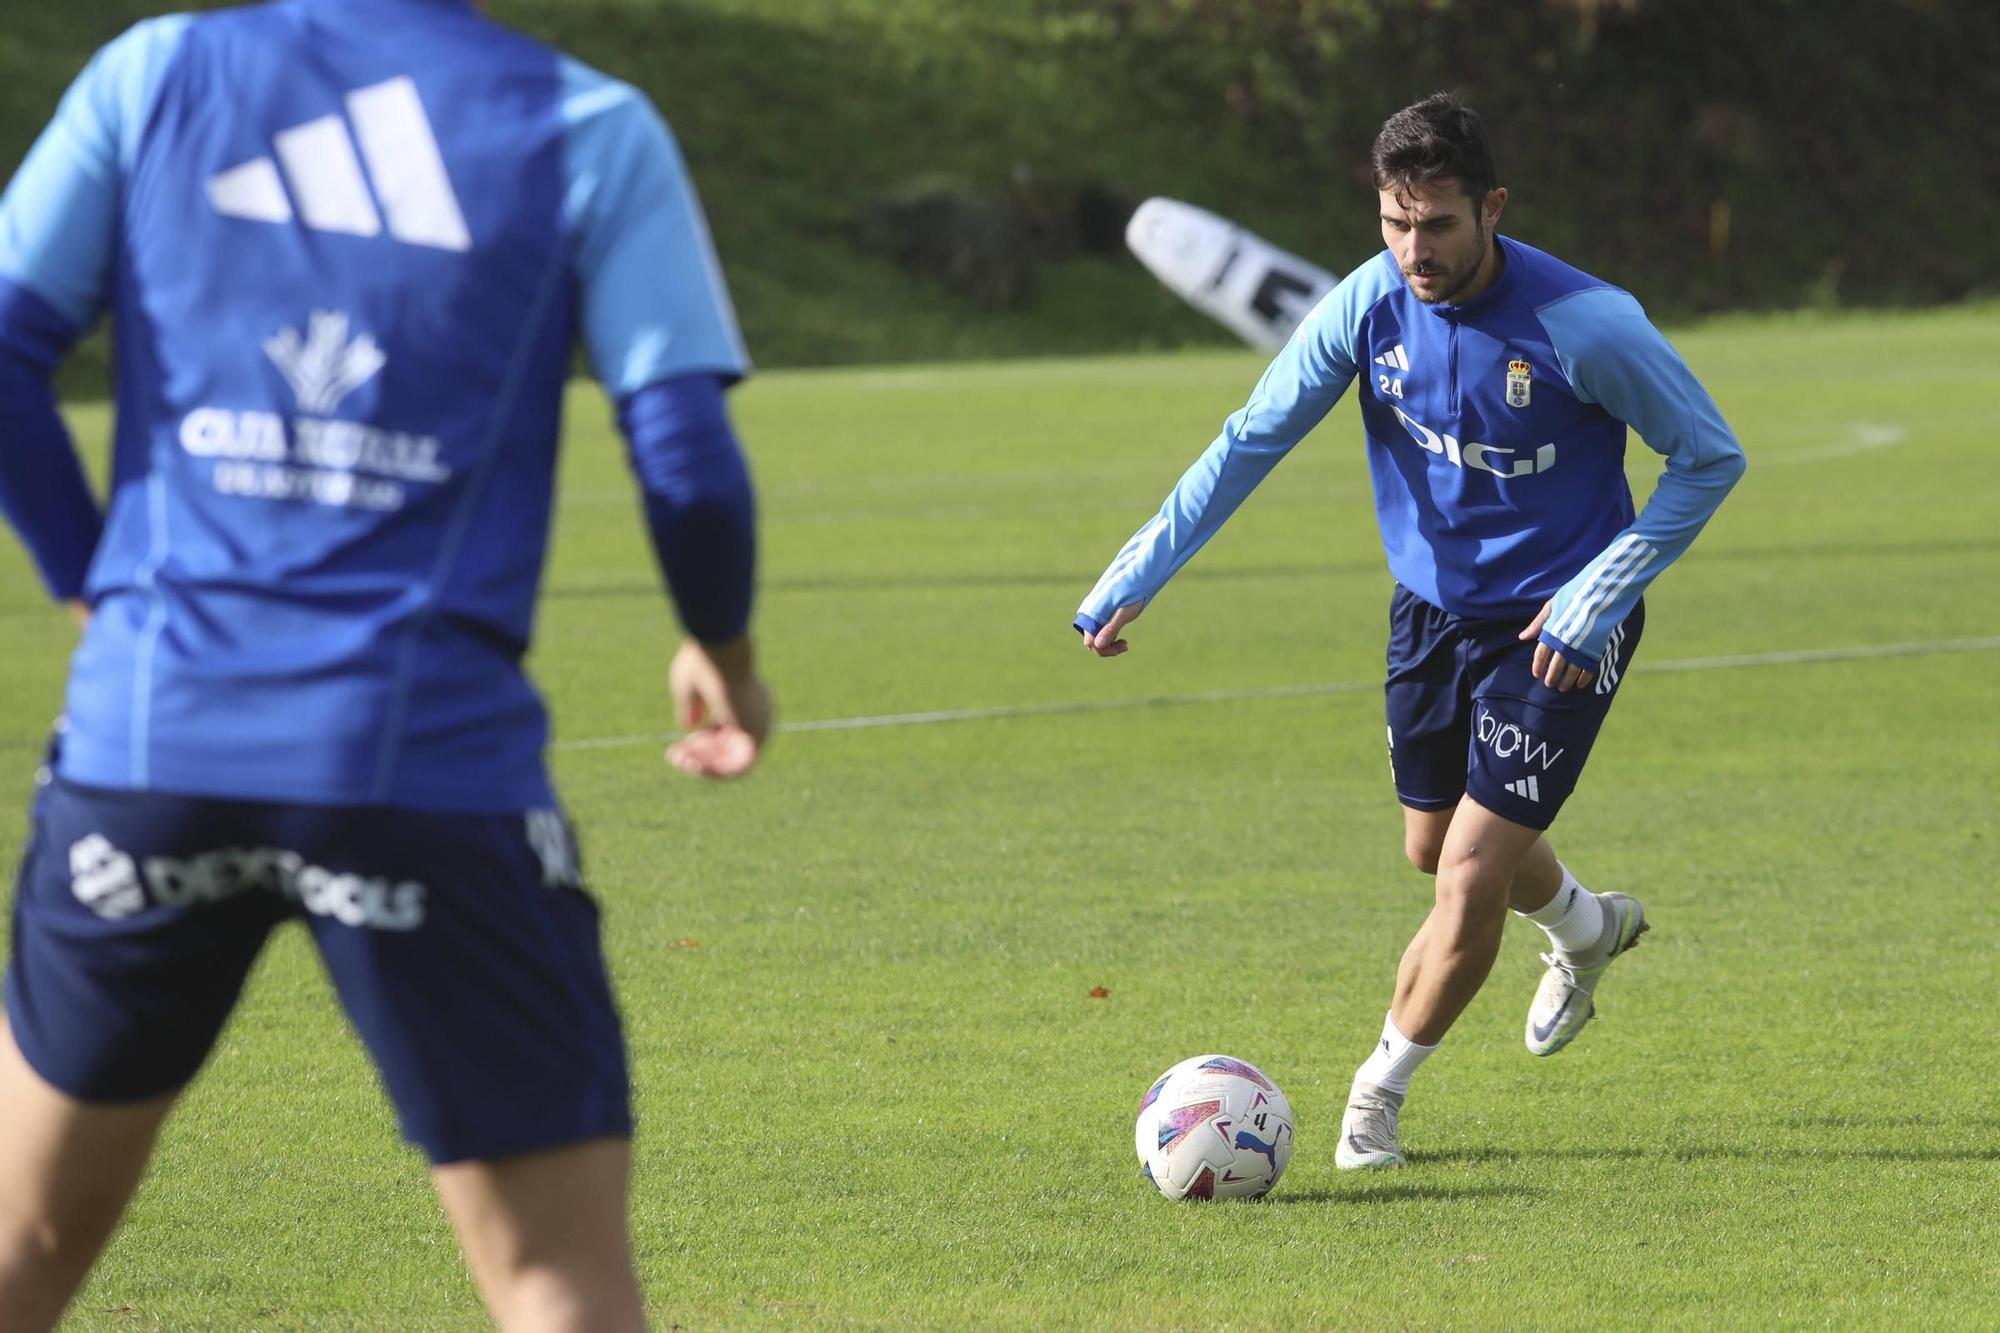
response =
{"points": [[1614, 357], [1304, 381], [653, 300], [59, 217]]}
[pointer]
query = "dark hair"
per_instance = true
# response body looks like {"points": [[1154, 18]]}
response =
{"points": [[1440, 138]]}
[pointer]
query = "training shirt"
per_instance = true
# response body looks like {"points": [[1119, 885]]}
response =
{"points": [[347, 246], [1495, 435]]}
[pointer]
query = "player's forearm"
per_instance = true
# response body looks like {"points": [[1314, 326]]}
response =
{"points": [[700, 507], [1596, 601], [43, 492], [1298, 388], [707, 549], [1687, 497], [1206, 495]]}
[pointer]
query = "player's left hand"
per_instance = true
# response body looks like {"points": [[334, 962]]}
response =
{"points": [[1549, 667]]}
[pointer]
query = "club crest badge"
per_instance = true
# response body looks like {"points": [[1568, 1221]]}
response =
{"points": [[1517, 384]]}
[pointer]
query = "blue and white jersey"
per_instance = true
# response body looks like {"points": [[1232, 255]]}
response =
{"points": [[1496, 439], [347, 247]]}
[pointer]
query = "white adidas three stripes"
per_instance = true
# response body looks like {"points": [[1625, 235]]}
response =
{"points": [[329, 181], [1627, 558]]}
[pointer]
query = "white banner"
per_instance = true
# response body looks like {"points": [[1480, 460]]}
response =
{"points": [[1241, 280]]}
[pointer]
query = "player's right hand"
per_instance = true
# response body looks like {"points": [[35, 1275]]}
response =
{"points": [[1549, 666], [1106, 643], [723, 708]]}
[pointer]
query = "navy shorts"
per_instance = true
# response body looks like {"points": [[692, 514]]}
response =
{"points": [[463, 948], [1467, 716]]}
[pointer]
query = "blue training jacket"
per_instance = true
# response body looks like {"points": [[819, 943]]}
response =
{"points": [[1496, 439], [347, 246]]}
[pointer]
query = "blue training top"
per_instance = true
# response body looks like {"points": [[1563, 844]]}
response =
{"points": [[1496, 439], [347, 246]]}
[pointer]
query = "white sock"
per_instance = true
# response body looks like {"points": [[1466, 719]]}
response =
{"points": [[1393, 1060], [1574, 918]]}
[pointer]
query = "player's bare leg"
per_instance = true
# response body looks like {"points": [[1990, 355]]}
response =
{"points": [[1477, 857], [545, 1236], [1448, 960], [1536, 880], [1423, 836], [67, 1170], [1586, 930]]}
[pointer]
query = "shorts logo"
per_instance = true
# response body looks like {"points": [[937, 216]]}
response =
{"points": [[555, 847], [1507, 740], [105, 880], [1517, 383]]}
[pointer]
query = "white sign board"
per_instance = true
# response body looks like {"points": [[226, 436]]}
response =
{"points": [[1241, 280]]}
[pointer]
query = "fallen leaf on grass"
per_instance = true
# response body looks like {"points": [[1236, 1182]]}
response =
{"points": [[1099, 993], [685, 942]]}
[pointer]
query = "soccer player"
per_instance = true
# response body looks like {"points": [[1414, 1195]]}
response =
{"points": [[346, 247], [1497, 385]]}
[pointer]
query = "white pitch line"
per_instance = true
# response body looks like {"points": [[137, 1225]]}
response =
{"points": [[1789, 657], [1857, 653], [1862, 437]]}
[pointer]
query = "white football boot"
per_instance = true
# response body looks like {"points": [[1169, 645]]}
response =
{"points": [[1368, 1130], [1563, 1002]]}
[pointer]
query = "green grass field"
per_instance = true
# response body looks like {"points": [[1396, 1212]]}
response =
{"points": [[874, 1089]]}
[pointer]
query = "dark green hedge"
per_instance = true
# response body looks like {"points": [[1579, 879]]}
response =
{"points": [[1711, 153], [1708, 154]]}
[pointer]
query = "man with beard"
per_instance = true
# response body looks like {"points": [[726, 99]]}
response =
{"points": [[1499, 386]]}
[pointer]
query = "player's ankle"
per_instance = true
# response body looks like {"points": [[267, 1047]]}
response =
{"points": [[1574, 919], [1394, 1059]]}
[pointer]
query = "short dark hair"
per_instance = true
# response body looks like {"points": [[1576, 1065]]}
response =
{"points": [[1440, 138]]}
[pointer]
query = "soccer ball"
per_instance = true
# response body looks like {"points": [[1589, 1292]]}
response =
{"points": [[1214, 1128]]}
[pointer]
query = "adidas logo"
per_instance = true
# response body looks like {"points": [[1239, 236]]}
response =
{"points": [[1396, 358], [1526, 788], [329, 186]]}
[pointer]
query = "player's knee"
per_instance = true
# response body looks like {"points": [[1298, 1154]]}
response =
{"points": [[1471, 892], [36, 1247], [1424, 833], [586, 1297], [23, 1244]]}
